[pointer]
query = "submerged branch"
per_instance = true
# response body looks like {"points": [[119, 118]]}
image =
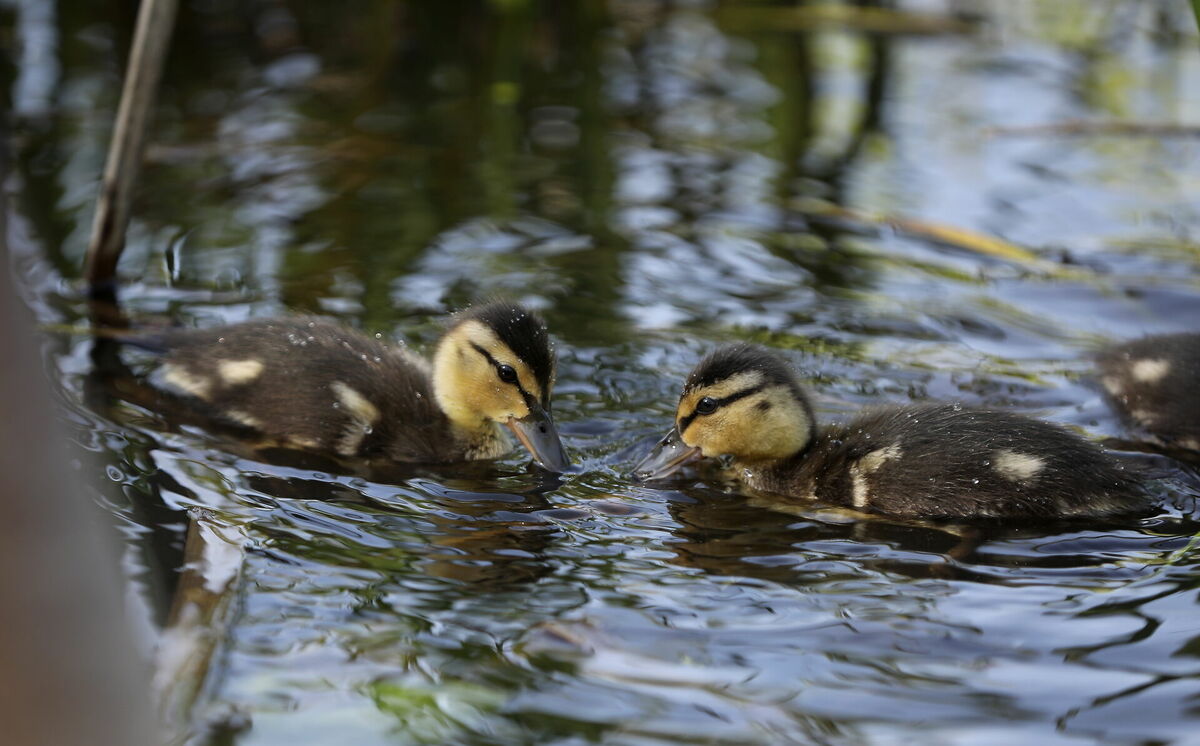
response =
{"points": [[962, 238], [1076, 128], [843, 18]]}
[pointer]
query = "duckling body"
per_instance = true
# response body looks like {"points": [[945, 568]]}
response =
{"points": [[924, 461], [314, 385], [1154, 383], [311, 384], [948, 461]]}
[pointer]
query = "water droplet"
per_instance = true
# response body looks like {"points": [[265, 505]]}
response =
{"points": [[974, 481], [378, 335], [367, 429], [956, 407]]}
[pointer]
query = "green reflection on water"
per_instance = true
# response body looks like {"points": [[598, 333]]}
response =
{"points": [[628, 167]]}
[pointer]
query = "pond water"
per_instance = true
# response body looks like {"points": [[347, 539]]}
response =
{"points": [[656, 178]]}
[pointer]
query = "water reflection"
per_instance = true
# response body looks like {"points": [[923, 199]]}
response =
{"points": [[658, 178], [488, 539]]}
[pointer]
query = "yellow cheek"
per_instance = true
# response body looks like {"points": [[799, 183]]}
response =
{"points": [[726, 438], [712, 434], [745, 434], [499, 401], [517, 407]]}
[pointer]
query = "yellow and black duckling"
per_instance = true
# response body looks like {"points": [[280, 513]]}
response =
{"points": [[1154, 383], [313, 385], [744, 404]]}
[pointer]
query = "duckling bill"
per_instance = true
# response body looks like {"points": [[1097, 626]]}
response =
{"points": [[310, 384], [745, 404]]}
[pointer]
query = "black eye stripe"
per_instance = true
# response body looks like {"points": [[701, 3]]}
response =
{"points": [[529, 398], [485, 353], [686, 421]]}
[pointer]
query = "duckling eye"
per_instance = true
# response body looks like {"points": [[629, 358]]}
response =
{"points": [[707, 405], [506, 373]]}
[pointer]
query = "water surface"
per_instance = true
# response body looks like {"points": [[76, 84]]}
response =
{"points": [[656, 178]]}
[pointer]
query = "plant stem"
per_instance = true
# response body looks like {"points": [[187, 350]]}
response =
{"points": [[155, 21]]}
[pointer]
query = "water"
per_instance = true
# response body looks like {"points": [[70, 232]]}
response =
{"points": [[656, 179]]}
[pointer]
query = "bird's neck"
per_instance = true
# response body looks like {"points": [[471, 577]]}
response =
{"points": [[483, 441], [774, 475], [481, 438]]}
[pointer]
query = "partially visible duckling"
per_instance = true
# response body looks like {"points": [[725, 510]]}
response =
{"points": [[313, 385], [1154, 383], [925, 461]]}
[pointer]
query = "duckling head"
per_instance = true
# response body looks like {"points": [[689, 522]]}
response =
{"points": [[495, 365], [741, 402]]}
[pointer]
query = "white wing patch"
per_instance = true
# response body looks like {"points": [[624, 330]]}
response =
{"points": [[236, 372], [1150, 371], [179, 378], [363, 416], [876, 459], [1019, 467], [860, 490], [858, 483], [243, 418], [355, 403]]}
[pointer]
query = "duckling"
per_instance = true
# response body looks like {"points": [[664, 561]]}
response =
{"points": [[313, 385], [1154, 383], [944, 461]]}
